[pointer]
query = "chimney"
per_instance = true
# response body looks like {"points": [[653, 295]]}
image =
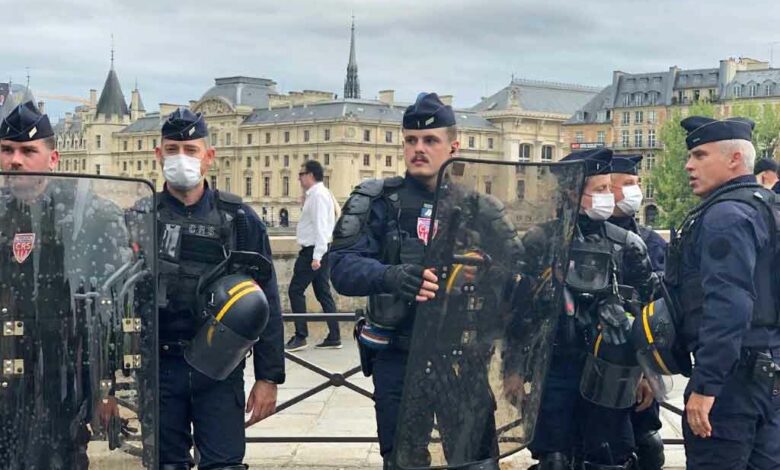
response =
{"points": [[135, 103], [41, 107], [387, 96], [92, 98], [446, 99]]}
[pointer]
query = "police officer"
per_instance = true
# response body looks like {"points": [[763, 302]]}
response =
{"points": [[198, 225], [766, 174], [720, 275], [594, 323], [628, 200], [45, 422], [378, 247]]}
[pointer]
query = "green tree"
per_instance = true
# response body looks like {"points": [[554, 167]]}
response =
{"points": [[766, 134], [669, 178]]}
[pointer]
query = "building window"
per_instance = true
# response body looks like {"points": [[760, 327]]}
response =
{"points": [[626, 100], [525, 152], [520, 190], [286, 136], [624, 138], [249, 139], [154, 164], [366, 159], [639, 117], [327, 134], [637, 138], [649, 191], [286, 186], [97, 169], [249, 162], [638, 99], [626, 118], [753, 90], [266, 186], [488, 187], [490, 143], [138, 165], [306, 135], [652, 98], [768, 89], [696, 94], [579, 137], [98, 141], [547, 153], [389, 161], [139, 144], [601, 116], [649, 161], [154, 143], [286, 161], [267, 137], [83, 164], [326, 181], [124, 145], [248, 186], [326, 159], [471, 141], [389, 137], [737, 90], [213, 182], [651, 117], [227, 183], [601, 137], [711, 94], [651, 138], [267, 159], [124, 166], [366, 135]]}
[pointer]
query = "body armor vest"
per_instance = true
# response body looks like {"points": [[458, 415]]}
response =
{"points": [[685, 288], [190, 247]]}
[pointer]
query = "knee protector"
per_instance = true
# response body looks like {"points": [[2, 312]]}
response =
{"points": [[554, 461], [650, 449]]}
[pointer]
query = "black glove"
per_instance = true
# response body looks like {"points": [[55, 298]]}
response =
{"points": [[615, 324], [404, 280]]}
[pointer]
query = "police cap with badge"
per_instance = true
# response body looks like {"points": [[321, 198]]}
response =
{"points": [[626, 164], [25, 123], [428, 112], [703, 130], [183, 124], [765, 164]]}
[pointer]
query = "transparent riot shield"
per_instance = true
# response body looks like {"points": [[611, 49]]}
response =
{"points": [[498, 243], [78, 385]]}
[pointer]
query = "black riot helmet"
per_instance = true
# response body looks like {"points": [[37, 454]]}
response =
{"points": [[654, 335], [610, 375], [235, 312]]}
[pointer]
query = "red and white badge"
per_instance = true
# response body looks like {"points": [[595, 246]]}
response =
{"points": [[424, 226], [23, 246]]}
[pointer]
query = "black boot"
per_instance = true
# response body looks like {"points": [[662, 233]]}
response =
{"points": [[650, 449]]}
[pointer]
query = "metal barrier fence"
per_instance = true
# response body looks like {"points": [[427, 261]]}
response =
{"points": [[340, 379]]}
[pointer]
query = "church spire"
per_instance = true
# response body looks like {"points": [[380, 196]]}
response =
{"points": [[352, 84]]}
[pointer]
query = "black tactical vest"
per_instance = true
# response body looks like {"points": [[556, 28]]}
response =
{"points": [[189, 248]]}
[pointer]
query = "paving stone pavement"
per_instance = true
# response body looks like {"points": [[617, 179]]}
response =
{"points": [[342, 412]]}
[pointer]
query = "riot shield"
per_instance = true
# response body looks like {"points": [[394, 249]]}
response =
{"points": [[498, 242], [78, 387]]}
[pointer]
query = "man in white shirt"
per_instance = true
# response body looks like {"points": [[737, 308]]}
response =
{"points": [[314, 232]]}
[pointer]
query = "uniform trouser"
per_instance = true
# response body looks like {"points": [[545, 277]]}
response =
{"points": [[303, 275], [745, 420], [569, 424], [214, 410], [646, 421], [445, 400]]}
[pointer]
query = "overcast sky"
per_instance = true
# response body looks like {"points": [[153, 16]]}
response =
{"points": [[467, 48]]}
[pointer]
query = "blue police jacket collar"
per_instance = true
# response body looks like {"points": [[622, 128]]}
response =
{"points": [[415, 183], [203, 204], [628, 223], [589, 226]]}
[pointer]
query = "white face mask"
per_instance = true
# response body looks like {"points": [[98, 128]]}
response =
{"points": [[602, 206], [181, 171], [632, 200]]}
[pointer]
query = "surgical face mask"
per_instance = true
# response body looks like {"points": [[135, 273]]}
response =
{"points": [[632, 200], [602, 206], [181, 171]]}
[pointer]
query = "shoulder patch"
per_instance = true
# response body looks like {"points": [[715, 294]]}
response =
{"points": [[719, 248]]}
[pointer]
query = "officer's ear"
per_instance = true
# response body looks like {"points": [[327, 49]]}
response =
{"points": [[454, 147]]}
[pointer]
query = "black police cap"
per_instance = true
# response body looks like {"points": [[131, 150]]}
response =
{"points": [[25, 123], [765, 164], [428, 112], [702, 130], [597, 161], [183, 124], [628, 164]]}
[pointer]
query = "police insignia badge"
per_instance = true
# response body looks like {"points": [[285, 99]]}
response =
{"points": [[23, 246], [424, 223]]}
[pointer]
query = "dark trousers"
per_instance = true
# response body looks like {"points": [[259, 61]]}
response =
{"points": [[213, 409], [569, 424], [745, 422], [303, 275], [646, 421]]}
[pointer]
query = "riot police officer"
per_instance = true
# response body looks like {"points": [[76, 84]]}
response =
{"points": [[198, 225], [592, 332], [766, 174], [49, 252], [628, 200], [377, 251], [720, 275]]}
